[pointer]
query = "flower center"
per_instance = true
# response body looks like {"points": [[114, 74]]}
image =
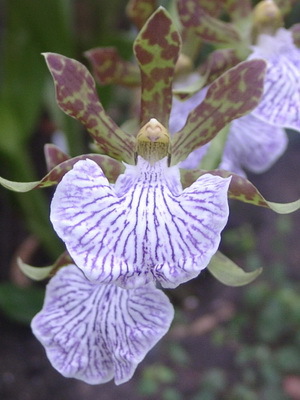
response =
{"points": [[153, 141]]}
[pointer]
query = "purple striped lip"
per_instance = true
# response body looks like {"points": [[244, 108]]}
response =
{"points": [[281, 99], [144, 228], [98, 332]]}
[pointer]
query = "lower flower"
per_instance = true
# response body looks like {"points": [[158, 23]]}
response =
{"points": [[97, 332]]}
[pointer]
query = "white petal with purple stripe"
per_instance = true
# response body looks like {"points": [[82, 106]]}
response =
{"points": [[280, 104], [145, 228], [99, 332], [252, 145]]}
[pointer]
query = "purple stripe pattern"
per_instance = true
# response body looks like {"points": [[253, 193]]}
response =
{"points": [[99, 332], [252, 145], [281, 99], [143, 229]]}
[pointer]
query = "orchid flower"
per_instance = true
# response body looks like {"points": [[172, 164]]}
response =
{"points": [[103, 314], [98, 332]]}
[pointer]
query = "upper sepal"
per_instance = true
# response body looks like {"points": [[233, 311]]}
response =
{"points": [[76, 95], [157, 49]]}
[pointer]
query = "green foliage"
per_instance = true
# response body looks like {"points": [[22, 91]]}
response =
{"points": [[20, 304]]}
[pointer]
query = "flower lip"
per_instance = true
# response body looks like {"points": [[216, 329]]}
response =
{"points": [[144, 228], [99, 332]]}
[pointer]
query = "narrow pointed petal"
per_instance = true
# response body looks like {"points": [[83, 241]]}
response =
{"points": [[99, 332], [144, 228], [157, 49], [252, 145], [76, 95], [112, 168], [227, 272], [242, 189], [281, 98], [194, 17], [40, 273], [110, 68], [232, 95]]}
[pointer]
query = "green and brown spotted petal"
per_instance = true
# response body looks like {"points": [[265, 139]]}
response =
{"points": [[228, 273], [212, 7], [295, 29], [110, 68], [210, 29], [238, 9], [111, 168], [76, 95], [217, 63], [41, 273], [157, 49], [285, 6], [232, 95], [138, 11], [241, 189], [54, 156]]}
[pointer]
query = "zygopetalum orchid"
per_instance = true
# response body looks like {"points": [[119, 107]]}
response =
{"points": [[128, 228]]}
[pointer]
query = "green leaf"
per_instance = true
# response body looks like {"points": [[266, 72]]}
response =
{"points": [[227, 272], [241, 189], [140, 10], [110, 68], [232, 95], [194, 17], [20, 304], [157, 49], [54, 156], [76, 95], [111, 168]]}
